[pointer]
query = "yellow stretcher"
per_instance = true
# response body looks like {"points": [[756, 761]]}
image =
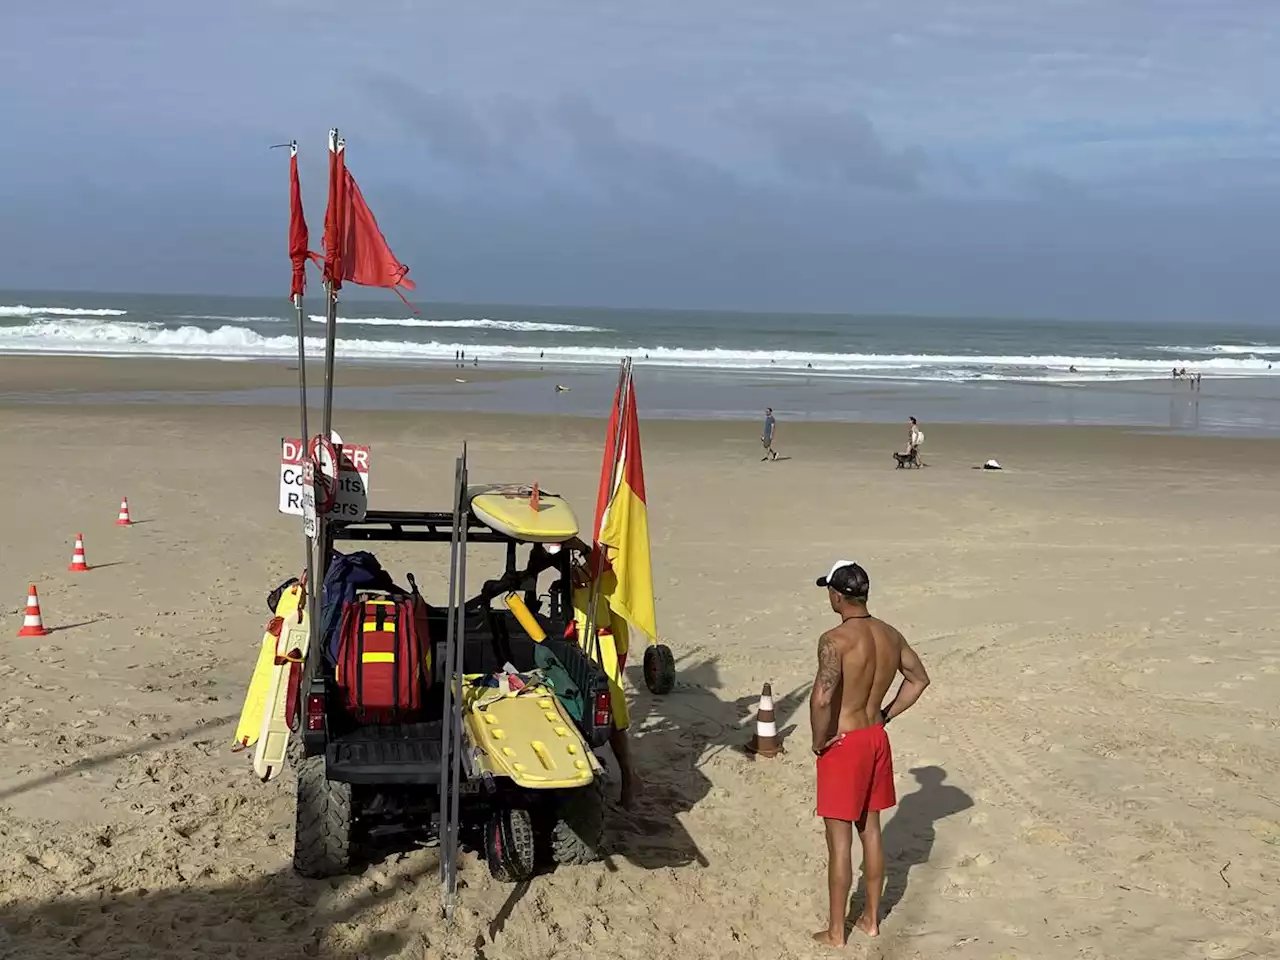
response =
{"points": [[527, 736]]}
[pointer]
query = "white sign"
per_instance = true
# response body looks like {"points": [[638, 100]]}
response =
{"points": [[309, 499], [352, 500]]}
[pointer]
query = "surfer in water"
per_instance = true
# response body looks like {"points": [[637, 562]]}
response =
{"points": [[857, 662], [766, 438]]}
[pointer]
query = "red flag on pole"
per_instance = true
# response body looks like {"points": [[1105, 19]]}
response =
{"points": [[298, 236], [355, 248], [608, 468], [333, 222]]}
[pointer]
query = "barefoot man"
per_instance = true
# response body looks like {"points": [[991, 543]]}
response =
{"points": [[857, 662]]}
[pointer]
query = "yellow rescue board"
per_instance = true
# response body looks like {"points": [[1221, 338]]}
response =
{"points": [[255, 701], [273, 734], [509, 509], [528, 738]]}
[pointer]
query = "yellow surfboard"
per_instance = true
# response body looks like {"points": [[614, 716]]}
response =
{"points": [[273, 734], [255, 701], [510, 509]]}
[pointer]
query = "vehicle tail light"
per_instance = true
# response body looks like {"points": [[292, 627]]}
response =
{"points": [[315, 712]]}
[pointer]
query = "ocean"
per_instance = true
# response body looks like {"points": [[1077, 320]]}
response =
{"points": [[714, 364]]}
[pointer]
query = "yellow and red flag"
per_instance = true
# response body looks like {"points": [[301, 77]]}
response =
{"points": [[622, 520]]}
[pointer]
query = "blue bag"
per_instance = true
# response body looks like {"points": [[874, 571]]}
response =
{"points": [[348, 574]]}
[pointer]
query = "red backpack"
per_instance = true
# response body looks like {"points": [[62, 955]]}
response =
{"points": [[384, 655]]}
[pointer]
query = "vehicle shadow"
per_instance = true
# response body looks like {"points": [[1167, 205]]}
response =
{"points": [[673, 738], [910, 835], [91, 763], [276, 917]]}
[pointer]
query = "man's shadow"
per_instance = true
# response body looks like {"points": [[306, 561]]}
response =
{"points": [[910, 835]]}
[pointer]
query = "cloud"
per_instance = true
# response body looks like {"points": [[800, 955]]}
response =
{"points": [[840, 148]]}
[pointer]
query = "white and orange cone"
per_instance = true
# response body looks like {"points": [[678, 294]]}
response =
{"points": [[765, 742], [123, 520], [32, 625], [78, 563]]}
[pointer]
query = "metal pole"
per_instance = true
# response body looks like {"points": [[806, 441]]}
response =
{"points": [[455, 760], [313, 596], [323, 544], [448, 782], [597, 558]]}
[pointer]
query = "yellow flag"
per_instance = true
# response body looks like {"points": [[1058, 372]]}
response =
{"points": [[623, 528]]}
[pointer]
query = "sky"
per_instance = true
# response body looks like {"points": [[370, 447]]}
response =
{"points": [[1069, 158]]}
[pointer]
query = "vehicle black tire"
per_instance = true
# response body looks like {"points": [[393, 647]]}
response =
{"points": [[577, 837], [509, 845], [659, 669], [322, 831]]}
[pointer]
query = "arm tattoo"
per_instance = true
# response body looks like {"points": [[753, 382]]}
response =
{"points": [[828, 666]]}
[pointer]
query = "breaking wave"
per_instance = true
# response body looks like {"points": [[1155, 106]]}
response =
{"points": [[21, 310], [229, 342]]}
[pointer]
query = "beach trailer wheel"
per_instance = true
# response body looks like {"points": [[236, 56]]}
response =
{"points": [[322, 832], [509, 846], [577, 836], [659, 669]]}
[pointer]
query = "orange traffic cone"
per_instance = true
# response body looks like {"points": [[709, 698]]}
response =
{"points": [[123, 520], [78, 564], [32, 625], [765, 742]]}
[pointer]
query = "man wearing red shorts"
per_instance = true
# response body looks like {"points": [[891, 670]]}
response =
{"points": [[857, 662]]}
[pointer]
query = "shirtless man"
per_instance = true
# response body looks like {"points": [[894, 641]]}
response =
{"points": [[857, 662]]}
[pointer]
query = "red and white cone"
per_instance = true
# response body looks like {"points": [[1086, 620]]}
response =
{"points": [[78, 563], [765, 742], [32, 625], [123, 520]]}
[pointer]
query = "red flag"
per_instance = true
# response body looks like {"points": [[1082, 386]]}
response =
{"points": [[333, 220], [611, 452], [355, 248], [298, 237], [366, 257]]}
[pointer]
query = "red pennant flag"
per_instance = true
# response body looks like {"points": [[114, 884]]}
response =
{"points": [[298, 236], [611, 456], [355, 248], [333, 220]]}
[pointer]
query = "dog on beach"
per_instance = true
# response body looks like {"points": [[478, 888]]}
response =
{"points": [[904, 460]]}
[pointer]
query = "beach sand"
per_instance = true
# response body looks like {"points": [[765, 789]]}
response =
{"points": [[1094, 773]]}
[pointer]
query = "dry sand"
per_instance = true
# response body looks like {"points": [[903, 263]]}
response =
{"points": [[1094, 772]]}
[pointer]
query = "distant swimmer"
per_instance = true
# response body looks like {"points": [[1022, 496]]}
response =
{"points": [[561, 388], [1072, 369], [766, 438], [857, 662]]}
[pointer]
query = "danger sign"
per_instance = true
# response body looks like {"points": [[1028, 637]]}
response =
{"points": [[352, 500]]}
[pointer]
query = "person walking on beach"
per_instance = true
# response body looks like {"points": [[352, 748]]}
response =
{"points": [[915, 437], [766, 438], [857, 662]]}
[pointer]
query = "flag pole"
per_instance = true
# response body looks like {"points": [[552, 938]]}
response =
{"points": [[597, 559], [336, 144], [331, 325], [302, 396]]}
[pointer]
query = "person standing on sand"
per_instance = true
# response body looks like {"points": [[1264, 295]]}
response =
{"points": [[770, 426], [857, 662]]}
